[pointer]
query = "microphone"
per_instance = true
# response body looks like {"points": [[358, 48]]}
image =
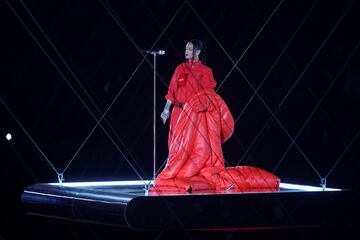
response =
{"points": [[159, 52]]}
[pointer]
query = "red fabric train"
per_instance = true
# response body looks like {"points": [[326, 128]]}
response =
{"points": [[196, 161]]}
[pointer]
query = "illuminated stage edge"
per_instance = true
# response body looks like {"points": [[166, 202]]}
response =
{"points": [[127, 204]]}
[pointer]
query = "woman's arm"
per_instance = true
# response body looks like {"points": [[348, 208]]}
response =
{"points": [[166, 112]]}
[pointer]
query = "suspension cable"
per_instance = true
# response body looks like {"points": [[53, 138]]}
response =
{"points": [[267, 107], [266, 76], [300, 77], [60, 175], [108, 8], [116, 18], [84, 90], [28, 135], [102, 117], [277, 60], [253, 40], [343, 153], [224, 50], [318, 103]]}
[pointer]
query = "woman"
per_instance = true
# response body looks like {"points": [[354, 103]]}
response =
{"points": [[200, 123]]}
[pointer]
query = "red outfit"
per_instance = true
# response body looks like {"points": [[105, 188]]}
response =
{"points": [[200, 123], [188, 79]]}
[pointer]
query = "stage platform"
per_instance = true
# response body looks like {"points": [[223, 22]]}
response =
{"points": [[129, 204]]}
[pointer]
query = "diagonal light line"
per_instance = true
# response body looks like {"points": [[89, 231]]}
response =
{"points": [[159, 234], [207, 142], [338, 134], [163, 163], [227, 54], [238, 141], [243, 54], [113, 14], [290, 90], [218, 42], [297, 81], [267, 124], [161, 27], [318, 104], [343, 153], [63, 76], [15, 118], [74, 232], [21, 158], [224, 50], [277, 60], [235, 64], [101, 118], [316, 53], [115, 97], [82, 87], [323, 111], [208, 29], [117, 20], [234, 136], [209, 99], [144, 58], [300, 77], [262, 100], [158, 37], [230, 235], [109, 9]]}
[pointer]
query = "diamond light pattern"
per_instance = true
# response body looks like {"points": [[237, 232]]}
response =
{"points": [[287, 70]]}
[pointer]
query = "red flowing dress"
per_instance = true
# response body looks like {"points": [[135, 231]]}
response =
{"points": [[200, 123]]}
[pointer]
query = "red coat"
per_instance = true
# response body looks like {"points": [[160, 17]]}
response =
{"points": [[188, 79], [200, 123]]}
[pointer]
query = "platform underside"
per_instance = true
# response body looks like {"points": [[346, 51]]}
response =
{"points": [[128, 204]]}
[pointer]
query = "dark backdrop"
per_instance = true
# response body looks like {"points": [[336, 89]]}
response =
{"points": [[295, 93]]}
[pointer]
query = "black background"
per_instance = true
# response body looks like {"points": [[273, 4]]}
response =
{"points": [[61, 60]]}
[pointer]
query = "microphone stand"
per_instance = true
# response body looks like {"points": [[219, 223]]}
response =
{"points": [[154, 117], [154, 53], [154, 127]]}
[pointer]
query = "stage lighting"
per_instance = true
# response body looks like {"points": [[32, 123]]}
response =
{"points": [[8, 136]]}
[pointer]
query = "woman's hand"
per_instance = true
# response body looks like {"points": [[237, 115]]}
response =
{"points": [[166, 112], [165, 115]]}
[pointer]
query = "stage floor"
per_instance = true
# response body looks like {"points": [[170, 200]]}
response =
{"points": [[129, 204]]}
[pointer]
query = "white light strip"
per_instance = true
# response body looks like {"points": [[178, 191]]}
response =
{"points": [[102, 184], [72, 198], [305, 187], [150, 182]]}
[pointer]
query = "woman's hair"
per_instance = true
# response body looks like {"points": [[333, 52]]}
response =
{"points": [[200, 45]]}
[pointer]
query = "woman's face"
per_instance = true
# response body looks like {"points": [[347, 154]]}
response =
{"points": [[189, 52]]}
